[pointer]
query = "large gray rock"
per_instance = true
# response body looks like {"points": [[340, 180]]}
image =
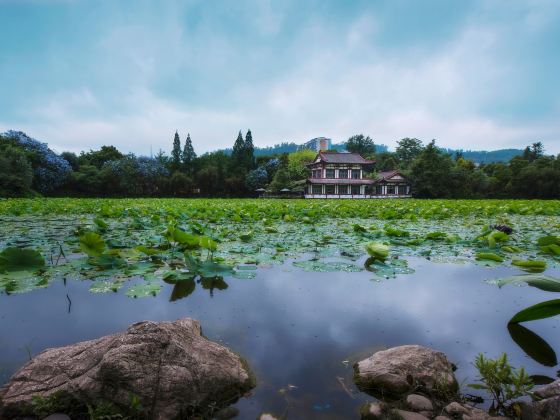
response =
{"points": [[402, 369], [548, 407], [169, 366]]}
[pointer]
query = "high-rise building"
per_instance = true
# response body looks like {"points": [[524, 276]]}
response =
{"points": [[319, 144]]}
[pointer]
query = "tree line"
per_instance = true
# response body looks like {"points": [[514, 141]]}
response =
{"points": [[29, 168]]}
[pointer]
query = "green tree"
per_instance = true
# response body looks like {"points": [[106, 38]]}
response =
{"points": [[361, 144], [249, 151], [238, 152], [188, 155], [16, 172], [176, 152], [407, 150], [431, 173], [296, 163], [99, 157], [181, 185], [281, 180]]}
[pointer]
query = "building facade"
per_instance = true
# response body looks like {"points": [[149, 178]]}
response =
{"points": [[318, 144], [342, 175]]}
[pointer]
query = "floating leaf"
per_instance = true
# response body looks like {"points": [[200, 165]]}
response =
{"points": [[247, 236], [92, 244], [208, 243], [20, 259], [530, 265], [540, 281], [489, 256], [539, 311], [104, 286], [548, 240], [144, 290]]}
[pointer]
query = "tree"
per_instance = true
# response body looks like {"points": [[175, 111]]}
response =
{"points": [[16, 173], [281, 179], [188, 155], [238, 152], [431, 173], [257, 178], [296, 163], [176, 152], [181, 185], [249, 151], [99, 157], [361, 144], [407, 150]]}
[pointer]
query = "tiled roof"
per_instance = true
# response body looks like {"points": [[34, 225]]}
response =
{"points": [[340, 181], [343, 158], [385, 175]]}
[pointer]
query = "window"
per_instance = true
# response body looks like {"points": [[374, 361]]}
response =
{"points": [[355, 173], [390, 189], [379, 189], [355, 189], [343, 189], [329, 189], [330, 173], [316, 173], [317, 189], [343, 173], [402, 189]]}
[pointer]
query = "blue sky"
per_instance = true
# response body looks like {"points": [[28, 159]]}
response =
{"points": [[472, 74]]}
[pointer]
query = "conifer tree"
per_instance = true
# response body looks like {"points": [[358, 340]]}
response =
{"points": [[176, 152], [188, 154], [249, 151], [238, 152]]}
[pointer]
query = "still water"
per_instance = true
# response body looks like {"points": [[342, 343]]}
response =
{"points": [[300, 331]]}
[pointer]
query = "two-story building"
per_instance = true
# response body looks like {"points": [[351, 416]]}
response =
{"points": [[342, 175]]}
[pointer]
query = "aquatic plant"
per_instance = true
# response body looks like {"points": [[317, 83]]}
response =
{"points": [[503, 382]]}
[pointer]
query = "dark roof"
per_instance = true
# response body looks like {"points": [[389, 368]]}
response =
{"points": [[342, 158], [340, 181], [386, 175]]}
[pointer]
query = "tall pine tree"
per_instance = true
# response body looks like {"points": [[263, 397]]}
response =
{"points": [[188, 154], [238, 152], [176, 152], [249, 151]]}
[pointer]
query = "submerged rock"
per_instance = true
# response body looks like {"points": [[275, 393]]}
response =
{"points": [[399, 370], [169, 367]]}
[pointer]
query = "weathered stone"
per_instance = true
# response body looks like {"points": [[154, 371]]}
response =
{"points": [[547, 409], [401, 369], [372, 411], [441, 418], [419, 403], [548, 391], [455, 408], [57, 416], [226, 413], [169, 366], [409, 415], [267, 416]]}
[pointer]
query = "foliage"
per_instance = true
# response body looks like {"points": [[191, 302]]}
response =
{"points": [[16, 173], [176, 152], [189, 155], [296, 164], [361, 144], [502, 381]]}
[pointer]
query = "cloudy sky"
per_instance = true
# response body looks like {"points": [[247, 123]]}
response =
{"points": [[472, 74]]}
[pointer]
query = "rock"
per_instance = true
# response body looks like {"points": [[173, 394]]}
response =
{"points": [[455, 408], [399, 370], [548, 391], [409, 415], [57, 416], [546, 409], [441, 418], [267, 416], [226, 413], [372, 411], [169, 366], [419, 403]]}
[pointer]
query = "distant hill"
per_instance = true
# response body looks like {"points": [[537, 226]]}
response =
{"points": [[477, 156], [289, 147], [482, 156]]}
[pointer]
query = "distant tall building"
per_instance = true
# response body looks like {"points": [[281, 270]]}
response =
{"points": [[318, 144]]}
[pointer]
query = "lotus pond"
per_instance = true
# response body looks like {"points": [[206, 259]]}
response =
{"points": [[302, 289]]}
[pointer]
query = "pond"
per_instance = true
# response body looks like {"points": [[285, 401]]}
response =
{"points": [[301, 331]]}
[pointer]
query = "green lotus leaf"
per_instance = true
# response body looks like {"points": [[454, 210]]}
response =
{"points": [[92, 244], [20, 259]]}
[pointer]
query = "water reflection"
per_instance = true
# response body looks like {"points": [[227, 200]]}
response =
{"points": [[301, 331]]}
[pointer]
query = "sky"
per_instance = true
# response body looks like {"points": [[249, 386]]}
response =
{"points": [[478, 75]]}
